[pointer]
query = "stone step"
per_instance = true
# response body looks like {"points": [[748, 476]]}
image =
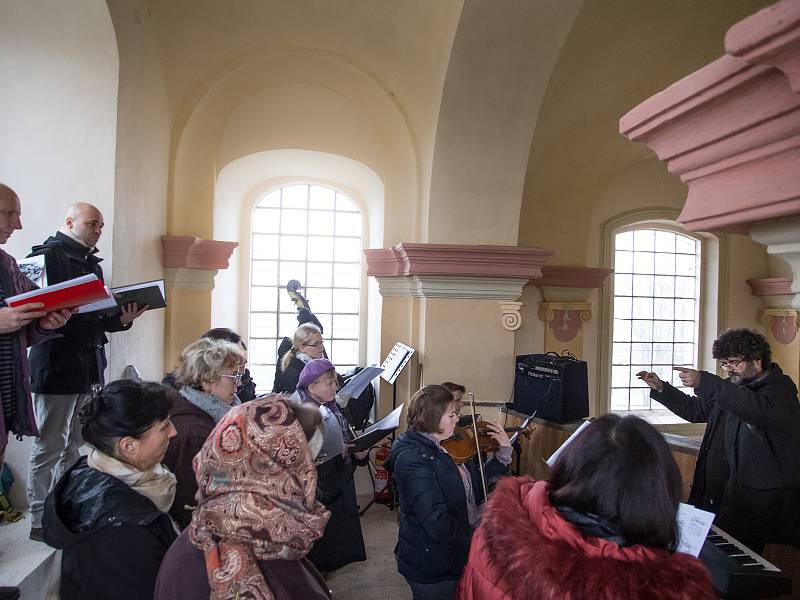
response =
{"points": [[33, 567]]}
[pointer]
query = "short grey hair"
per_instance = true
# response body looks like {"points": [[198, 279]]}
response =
{"points": [[204, 361]]}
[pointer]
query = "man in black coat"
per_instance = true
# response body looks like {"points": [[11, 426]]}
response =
{"points": [[748, 467], [63, 369]]}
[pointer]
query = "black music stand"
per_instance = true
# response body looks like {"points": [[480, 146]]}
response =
{"points": [[392, 366]]}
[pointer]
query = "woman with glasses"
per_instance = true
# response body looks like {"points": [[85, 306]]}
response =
{"points": [[207, 377], [342, 542], [307, 345]]}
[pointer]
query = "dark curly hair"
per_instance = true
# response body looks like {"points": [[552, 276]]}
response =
{"points": [[748, 344]]}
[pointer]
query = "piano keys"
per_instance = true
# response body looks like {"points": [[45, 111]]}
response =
{"points": [[738, 572]]}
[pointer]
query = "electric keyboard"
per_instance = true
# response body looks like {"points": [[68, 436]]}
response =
{"points": [[738, 572]]}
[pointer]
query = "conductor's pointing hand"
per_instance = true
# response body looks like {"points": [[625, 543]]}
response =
{"points": [[688, 377], [652, 380]]}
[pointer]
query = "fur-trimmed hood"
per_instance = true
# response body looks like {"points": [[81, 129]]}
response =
{"points": [[524, 548]]}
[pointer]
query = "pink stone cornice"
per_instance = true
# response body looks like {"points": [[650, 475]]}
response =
{"points": [[771, 286], [188, 251], [416, 259], [770, 37], [731, 130], [572, 277]]}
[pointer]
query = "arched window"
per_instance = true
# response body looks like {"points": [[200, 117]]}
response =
{"points": [[656, 311], [313, 234]]}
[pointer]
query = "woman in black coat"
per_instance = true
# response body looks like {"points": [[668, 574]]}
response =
{"points": [[307, 345], [438, 498], [109, 511]]}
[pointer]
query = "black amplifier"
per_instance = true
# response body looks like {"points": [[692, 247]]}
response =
{"points": [[555, 386]]}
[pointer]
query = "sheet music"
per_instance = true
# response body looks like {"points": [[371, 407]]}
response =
{"points": [[33, 268], [693, 526], [395, 361], [374, 434], [359, 382], [552, 460], [103, 304]]}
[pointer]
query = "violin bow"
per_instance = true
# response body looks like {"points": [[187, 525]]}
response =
{"points": [[478, 446], [522, 427]]}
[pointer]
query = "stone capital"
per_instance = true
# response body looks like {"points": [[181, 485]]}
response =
{"points": [[190, 279], [191, 252]]}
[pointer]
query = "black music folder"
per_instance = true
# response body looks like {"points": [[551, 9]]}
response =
{"points": [[375, 433], [150, 293]]}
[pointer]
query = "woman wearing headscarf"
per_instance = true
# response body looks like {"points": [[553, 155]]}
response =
{"points": [[207, 377], [108, 513], [604, 526], [257, 516], [343, 541]]}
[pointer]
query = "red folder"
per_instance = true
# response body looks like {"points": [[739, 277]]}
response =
{"points": [[67, 294]]}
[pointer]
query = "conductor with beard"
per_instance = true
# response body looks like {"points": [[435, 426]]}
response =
{"points": [[748, 466]]}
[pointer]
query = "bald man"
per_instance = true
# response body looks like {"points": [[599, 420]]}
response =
{"points": [[64, 369], [19, 328]]}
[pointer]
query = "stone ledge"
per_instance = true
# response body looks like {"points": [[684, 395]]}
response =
{"points": [[406, 259]]}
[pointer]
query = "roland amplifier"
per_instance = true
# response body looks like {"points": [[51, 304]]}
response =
{"points": [[554, 386]]}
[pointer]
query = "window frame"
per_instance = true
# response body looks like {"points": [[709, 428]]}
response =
{"points": [[712, 312], [362, 313]]}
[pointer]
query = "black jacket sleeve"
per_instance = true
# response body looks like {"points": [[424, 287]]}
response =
{"points": [[772, 406], [694, 409], [124, 563]]}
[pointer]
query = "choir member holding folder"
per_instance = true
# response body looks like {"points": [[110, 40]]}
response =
{"points": [[64, 368], [342, 542], [20, 327]]}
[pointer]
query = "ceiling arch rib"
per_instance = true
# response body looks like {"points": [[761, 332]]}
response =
{"points": [[498, 72]]}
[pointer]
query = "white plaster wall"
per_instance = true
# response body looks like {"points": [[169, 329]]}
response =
{"points": [[58, 110], [142, 159]]}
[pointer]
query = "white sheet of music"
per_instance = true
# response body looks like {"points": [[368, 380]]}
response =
{"points": [[693, 526], [552, 460]]}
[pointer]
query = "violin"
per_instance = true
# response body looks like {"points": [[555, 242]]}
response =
{"points": [[461, 446]]}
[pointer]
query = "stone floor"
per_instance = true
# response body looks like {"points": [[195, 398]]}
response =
{"points": [[377, 578]]}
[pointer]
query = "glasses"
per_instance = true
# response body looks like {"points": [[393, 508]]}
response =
{"points": [[237, 377], [730, 364], [319, 344]]}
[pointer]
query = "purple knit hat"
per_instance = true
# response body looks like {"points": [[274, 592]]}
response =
{"points": [[313, 370]]}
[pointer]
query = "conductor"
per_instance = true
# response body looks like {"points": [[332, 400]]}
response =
{"points": [[748, 467]]}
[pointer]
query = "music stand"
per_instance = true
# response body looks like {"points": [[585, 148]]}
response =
{"points": [[392, 366]]}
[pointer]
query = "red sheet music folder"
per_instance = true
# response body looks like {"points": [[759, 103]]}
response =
{"points": [[67, 294]]}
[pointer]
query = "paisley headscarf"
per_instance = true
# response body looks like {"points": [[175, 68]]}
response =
{"points": [[256, 497]]}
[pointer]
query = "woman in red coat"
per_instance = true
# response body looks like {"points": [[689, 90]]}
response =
{"points": [[604, 527]]}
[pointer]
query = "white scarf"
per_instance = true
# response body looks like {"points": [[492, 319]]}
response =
{"points": [[157, 484]]}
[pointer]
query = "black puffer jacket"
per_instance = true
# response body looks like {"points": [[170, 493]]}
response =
{"points": [[760, 425], [113, 538], [72, 362]]}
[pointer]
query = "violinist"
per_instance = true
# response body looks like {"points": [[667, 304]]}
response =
{"points": [[438, 499]]}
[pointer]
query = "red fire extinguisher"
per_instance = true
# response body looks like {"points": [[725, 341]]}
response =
{"points": [[383, 488]]}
